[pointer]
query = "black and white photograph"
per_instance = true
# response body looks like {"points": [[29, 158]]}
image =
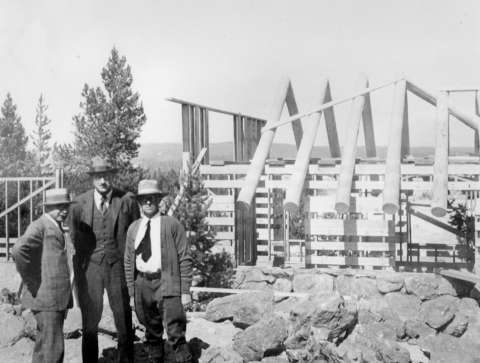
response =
{"points": [[239, 181]]}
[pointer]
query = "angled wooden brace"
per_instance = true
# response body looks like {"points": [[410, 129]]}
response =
{"points": [[368, 132], [391, 190], [342, 203], [440, 166], [405, 130], [257, 164], [293, 110], [300, 169], [331, 126]]}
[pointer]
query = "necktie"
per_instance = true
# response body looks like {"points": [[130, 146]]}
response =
{"points": [[103, 204], [145, 247]]}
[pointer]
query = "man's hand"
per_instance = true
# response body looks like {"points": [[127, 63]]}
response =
{"points": [[186, 300], [132, 303]]}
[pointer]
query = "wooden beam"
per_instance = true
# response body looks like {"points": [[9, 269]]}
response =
{"points": [[477, 112], [342, 203], [391, 192], [261, 153], [331, 126], [368, 128], [405, 131], [274, 123], [440, 167], [434, 221], [302, 161], [472, 121], [219, 290], [186, 127], [293, 110]]}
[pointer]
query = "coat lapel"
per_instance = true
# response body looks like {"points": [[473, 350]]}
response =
{"points": [[116, 202], [87, 209]]}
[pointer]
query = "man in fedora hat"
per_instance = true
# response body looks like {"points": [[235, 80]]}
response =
{"points": [[42, 256], [99, 222], [158, 270]]}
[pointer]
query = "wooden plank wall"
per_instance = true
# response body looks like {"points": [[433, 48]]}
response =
{"points": [[364, 237]]}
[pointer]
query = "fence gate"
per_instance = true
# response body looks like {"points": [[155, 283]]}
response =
{"points": [[21, 201]]}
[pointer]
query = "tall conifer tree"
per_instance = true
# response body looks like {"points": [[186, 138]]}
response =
{"points": [[41, 139], [13, 141]]}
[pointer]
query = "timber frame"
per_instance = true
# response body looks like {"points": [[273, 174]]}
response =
{"points": [[357, 212]]}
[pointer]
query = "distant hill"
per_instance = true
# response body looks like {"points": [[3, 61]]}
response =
{"points": [[166, 156]]}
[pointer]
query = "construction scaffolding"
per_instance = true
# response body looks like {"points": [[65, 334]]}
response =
{"points": [[355, 212]]}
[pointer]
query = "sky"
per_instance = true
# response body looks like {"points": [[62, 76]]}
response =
{"points": [[232, 54]]}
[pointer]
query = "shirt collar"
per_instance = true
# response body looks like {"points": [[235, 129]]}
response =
{"points": [[145, 219], [98, 196]]}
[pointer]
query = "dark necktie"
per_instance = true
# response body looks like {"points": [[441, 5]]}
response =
{"points": [[103, 204], [145, 247]]}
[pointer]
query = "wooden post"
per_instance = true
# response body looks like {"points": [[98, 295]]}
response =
{"points": [[472, 121], [331, 126], [477, 112], [300, 169], [440, 167], [391, 192], [342, 203], [293, 110], [405, 131], [255, 170], [368, 132]]}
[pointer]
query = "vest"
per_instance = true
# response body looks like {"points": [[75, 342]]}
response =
{"points": [[103, 227]]}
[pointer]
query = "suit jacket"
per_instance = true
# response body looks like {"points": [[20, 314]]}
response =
{"points": [[124, 210], [42, 259], [176, 258]]}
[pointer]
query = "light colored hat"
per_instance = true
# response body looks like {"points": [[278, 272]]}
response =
{"points": [[57, 196], [100, 165], [148, 187]]}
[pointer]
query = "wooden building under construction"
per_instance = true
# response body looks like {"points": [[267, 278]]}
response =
{"points": [[341, 211]]}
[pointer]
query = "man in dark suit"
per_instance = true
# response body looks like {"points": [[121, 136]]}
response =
{"points": [[99, 222], [42, 257], [158, 269]]}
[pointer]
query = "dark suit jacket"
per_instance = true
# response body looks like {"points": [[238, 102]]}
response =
{"points": [[43, 263], [176, 258], [125, 211]]}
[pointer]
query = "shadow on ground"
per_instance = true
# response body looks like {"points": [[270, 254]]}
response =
{"points": [[196, 345]]}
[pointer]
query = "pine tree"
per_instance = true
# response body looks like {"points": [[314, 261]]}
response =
{"points": [[210, 269], [41, 139], [13, 141], [109, 124]]}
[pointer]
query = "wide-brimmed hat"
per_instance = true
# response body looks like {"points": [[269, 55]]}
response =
{"points": [[149, 187], [57, 196], [100, 165]]}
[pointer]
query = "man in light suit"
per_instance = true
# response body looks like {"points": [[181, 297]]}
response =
{"points": [[42, 258], [99, 222], [158, 269]]}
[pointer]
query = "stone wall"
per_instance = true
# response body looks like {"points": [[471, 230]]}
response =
{"points": [[346, 316]]}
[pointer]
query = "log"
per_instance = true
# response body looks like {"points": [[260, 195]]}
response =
{"points": [[257, 165], [370, 147], [405, 131], [293, 110], [477, 112], [219, 290], [391, 192], [300, 169], [331, 127], [274, 123], [342, 203], [472, 121], [440, 166]]}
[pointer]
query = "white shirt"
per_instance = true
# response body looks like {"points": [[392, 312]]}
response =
{"points": [[154, 263], [97, 197]]}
